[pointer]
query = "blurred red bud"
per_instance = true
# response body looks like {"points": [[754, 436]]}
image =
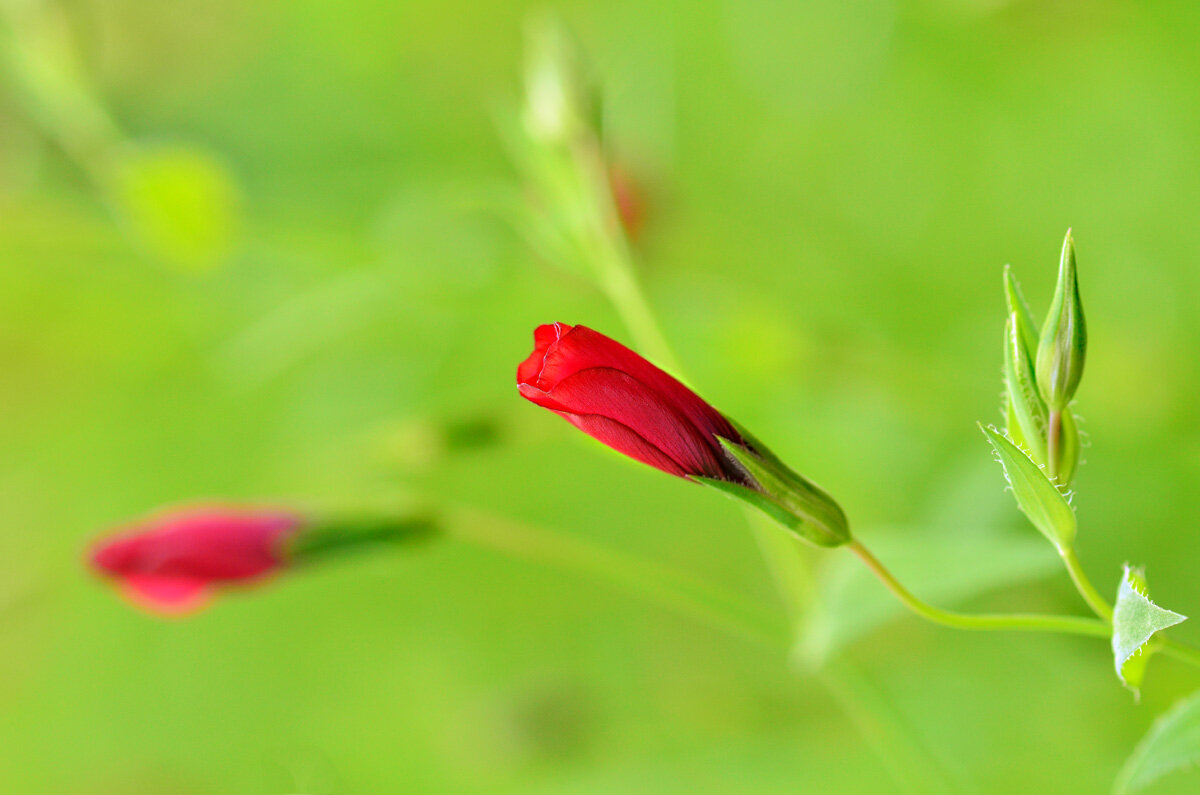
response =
{"points": [[629, 199], [172, 562]]}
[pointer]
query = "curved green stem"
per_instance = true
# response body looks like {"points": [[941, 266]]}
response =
{"points": [[1026, 622], [1098, 603]]}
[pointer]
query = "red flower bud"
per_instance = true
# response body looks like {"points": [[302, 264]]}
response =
{"points": [[614, 395], [170, 563]]}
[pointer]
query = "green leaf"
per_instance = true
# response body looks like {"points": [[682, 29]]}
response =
{"points": [[1173, 743], [1037, 496], [1135, 621], [945, 564]]}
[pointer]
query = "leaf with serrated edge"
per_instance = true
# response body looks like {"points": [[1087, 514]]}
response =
{"points": [[1037, 496], [1135, 621], [1173, 743]]}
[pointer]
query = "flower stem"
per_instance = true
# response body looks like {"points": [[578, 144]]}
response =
{"points": [[1027, 622], [675, 590], [1098, 603]]}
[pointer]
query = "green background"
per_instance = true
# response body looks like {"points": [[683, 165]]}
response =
{"points": [[831, 192]]}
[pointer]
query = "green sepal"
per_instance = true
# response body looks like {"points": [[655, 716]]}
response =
{"points": [[1062, 347], [1068, 448], [1135, 622], [332, 534], [1027, 406], [763, 502], [791, 499], [1037, 496], [1026, 328]]}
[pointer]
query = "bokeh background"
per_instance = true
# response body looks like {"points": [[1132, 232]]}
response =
{"points": [[247, 250]]}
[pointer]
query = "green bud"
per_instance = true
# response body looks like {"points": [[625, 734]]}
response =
{"points": [[335, 533], [560, 99], [790, 499], [1063, 343]]}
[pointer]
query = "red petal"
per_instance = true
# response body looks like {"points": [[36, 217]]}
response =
{"points": [[580, 348], [636, 408], [624, 440], [529, 371], [172, 596]]}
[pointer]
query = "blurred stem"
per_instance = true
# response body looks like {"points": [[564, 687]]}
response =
{"points": [[683, 593], [883, 730], [608, 250], [910, 767], [43, 65], [1026, 622], [1098, 603], [1180, 651]]}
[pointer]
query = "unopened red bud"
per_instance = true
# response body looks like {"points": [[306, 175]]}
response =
{"points": [[173, 562], [614, 395]]}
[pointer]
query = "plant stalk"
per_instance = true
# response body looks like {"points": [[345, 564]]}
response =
{"points": [[1096, 602], [1025, 622]]}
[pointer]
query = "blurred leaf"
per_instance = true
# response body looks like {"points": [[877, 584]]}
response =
{"points": [[1172, 743], [1135, 621], [943, 565], [178, 201], [1037, 497]]}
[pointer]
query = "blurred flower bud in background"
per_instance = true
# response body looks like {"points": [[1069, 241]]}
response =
{"points": [[171, 563], [174, 562], [561, 101]]}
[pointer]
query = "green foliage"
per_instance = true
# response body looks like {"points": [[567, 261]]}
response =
{"points": [[1037, 496], [852, 214], [180, 202], [1135, 622], [1173, 743]]}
